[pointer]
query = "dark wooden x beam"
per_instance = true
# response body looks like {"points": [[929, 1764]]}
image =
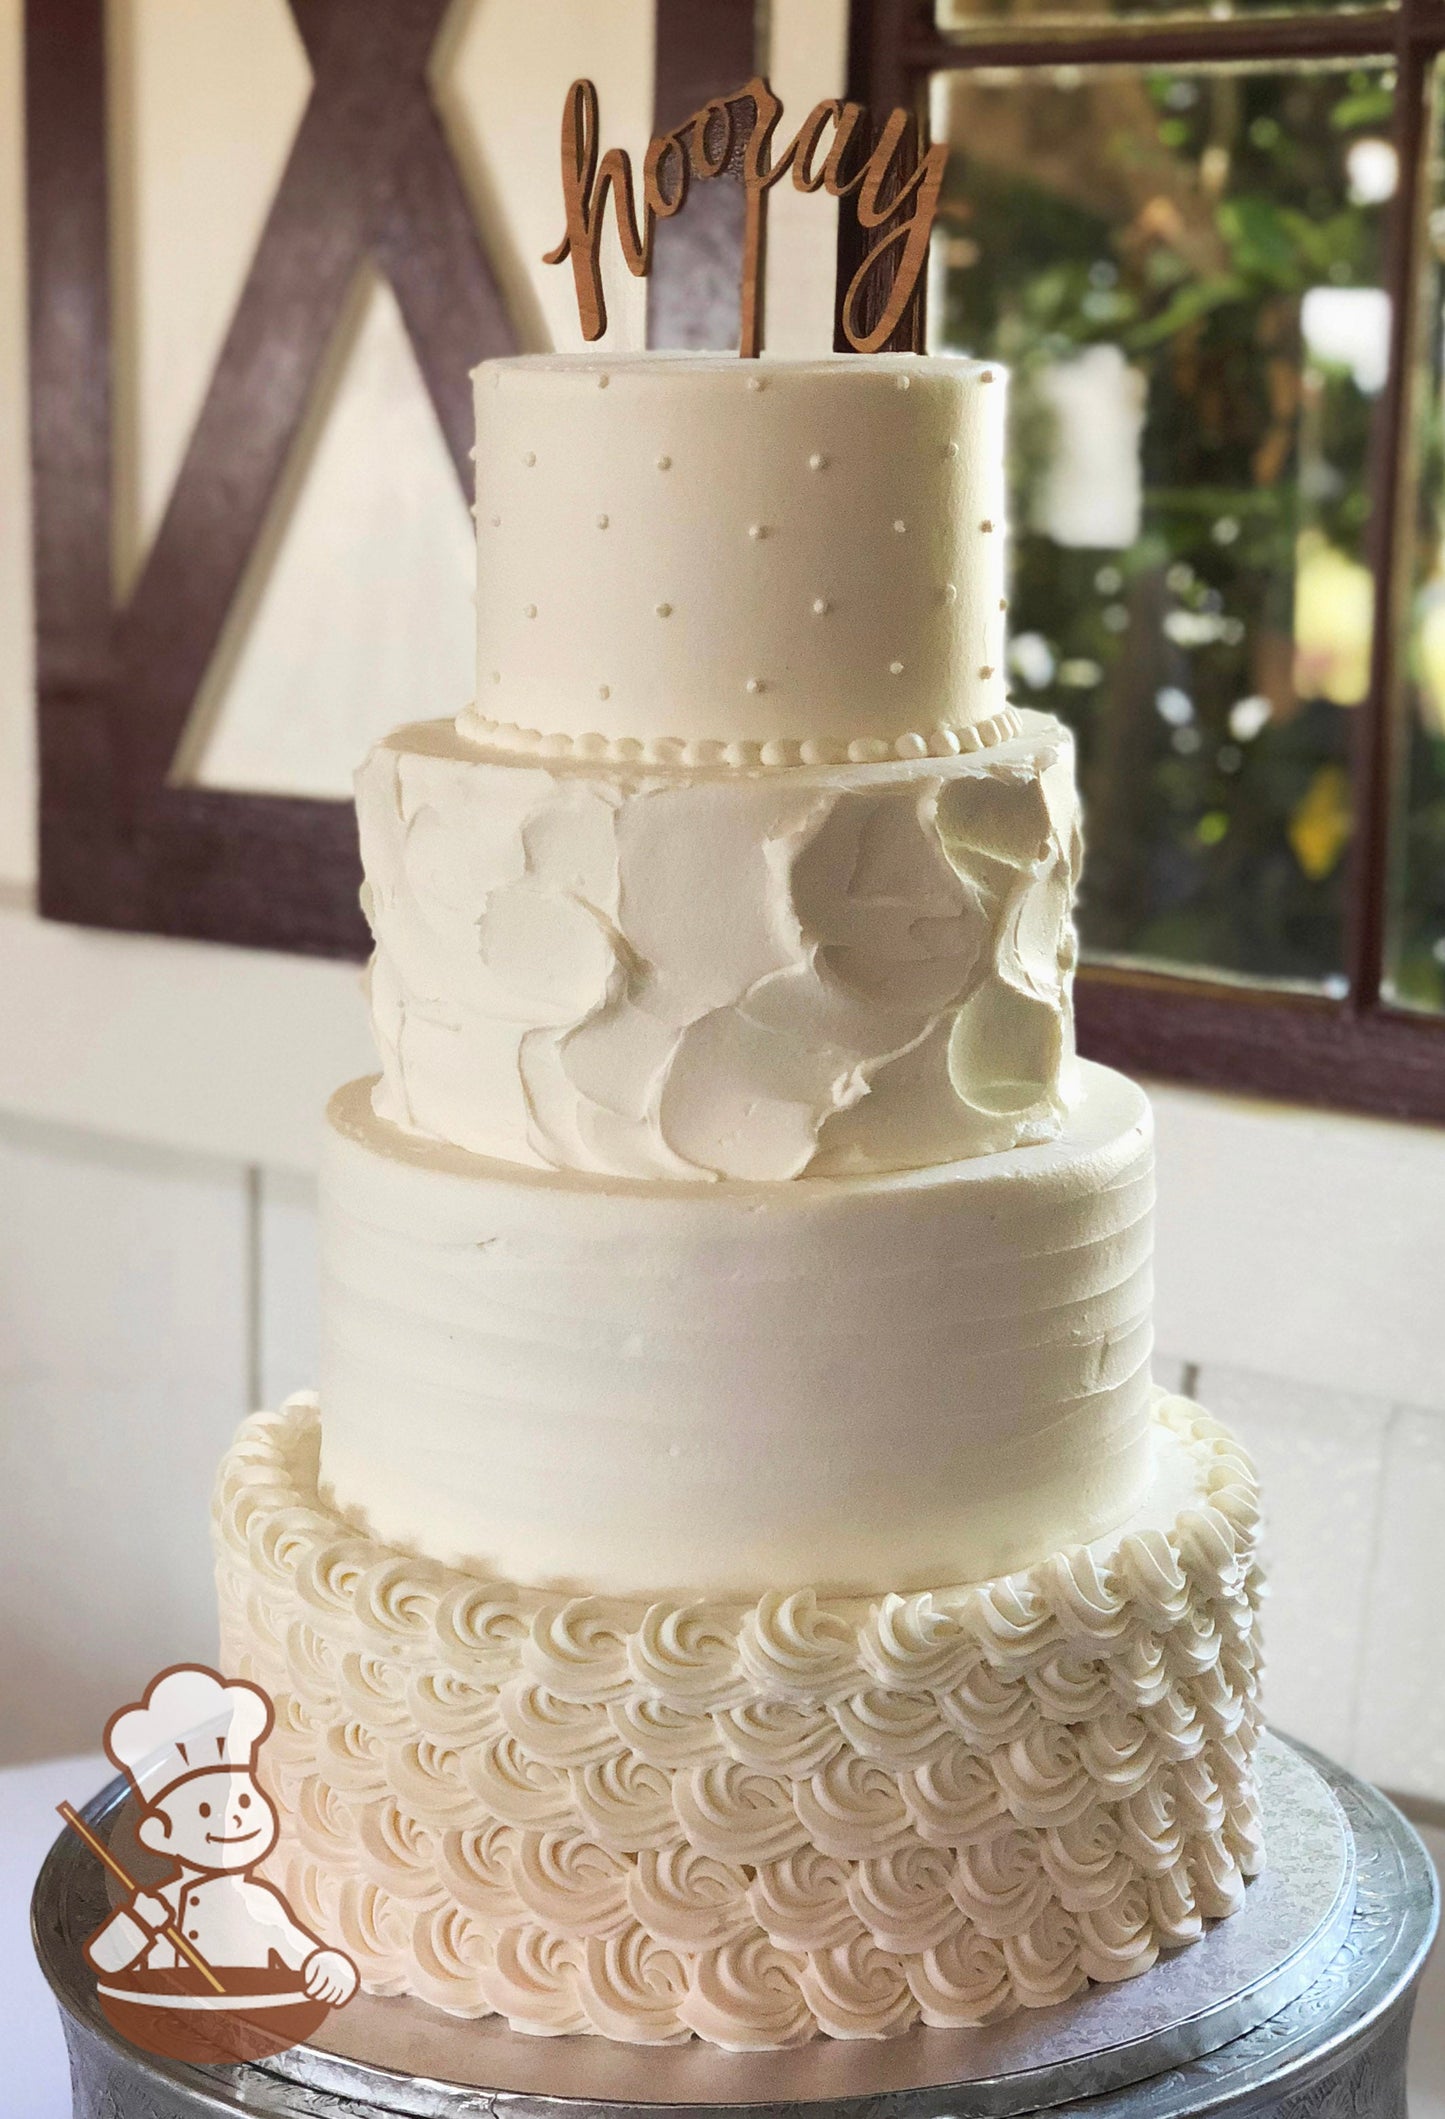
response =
{"points": [[369, 177]]}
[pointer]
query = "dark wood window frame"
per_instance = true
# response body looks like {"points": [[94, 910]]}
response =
{"points": [[1357, 1053], [370, 175]]}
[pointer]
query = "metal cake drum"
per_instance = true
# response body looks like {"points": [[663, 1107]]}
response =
{"points": [[1314, 1975]]}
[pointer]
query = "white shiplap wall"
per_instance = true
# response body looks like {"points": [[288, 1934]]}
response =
{"points": [[124, 1351]]}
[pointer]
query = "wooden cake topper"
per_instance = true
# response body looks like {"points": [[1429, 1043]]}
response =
{"points": [[892, 186]]}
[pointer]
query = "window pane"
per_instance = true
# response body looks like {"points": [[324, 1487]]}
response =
{"points": [[1182, 271], [1415, 951], [965, 18]]}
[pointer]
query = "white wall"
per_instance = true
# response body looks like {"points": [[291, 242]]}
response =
{"points": [[124, 1351], [159, 1101]]}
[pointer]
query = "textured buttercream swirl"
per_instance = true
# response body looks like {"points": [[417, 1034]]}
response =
{"points": [[644, 973], [754, 1821]]}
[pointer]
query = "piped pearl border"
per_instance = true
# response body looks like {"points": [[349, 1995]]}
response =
{"points": [[742, 755]]}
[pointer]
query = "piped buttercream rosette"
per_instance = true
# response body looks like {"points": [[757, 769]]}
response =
{"points": [[752, 1822]]}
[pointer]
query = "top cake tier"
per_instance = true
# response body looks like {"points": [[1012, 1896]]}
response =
{"points": [[686, 551]]}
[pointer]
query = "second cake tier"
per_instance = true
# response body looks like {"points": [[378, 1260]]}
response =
{"points": [[730, 972], [931, 1375]]}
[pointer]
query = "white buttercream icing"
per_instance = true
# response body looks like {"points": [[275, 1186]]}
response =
{"points": [[671, 548], [822, 1835], [657, 974], [506, 739], [732, 1231], [612, 1385]]}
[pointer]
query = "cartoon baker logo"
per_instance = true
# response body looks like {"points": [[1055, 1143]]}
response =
{"points": [[210, 1963]]}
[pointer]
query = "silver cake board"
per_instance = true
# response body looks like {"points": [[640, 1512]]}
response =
{"points": [[1304, 1993]]}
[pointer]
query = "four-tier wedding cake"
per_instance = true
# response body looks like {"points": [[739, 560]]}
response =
{"points": [[737, 1578]]}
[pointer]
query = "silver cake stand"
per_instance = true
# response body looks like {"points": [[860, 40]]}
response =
{"points": [[1299, 2006]]}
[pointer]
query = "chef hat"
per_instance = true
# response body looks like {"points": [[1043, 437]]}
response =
{"points": [[189, 1720]]}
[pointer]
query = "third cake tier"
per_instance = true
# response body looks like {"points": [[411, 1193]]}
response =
{"points": [[853, 1383]]}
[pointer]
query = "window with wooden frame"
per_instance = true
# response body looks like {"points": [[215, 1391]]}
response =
{"points": [[1209, 246], [1208, 243]]}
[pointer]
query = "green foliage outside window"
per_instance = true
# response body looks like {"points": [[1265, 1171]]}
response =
{"points": [[1211, 667]]}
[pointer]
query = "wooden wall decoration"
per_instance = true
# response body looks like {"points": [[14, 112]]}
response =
{"points": [[369, 174]]}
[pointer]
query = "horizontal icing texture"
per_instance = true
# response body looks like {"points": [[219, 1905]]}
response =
{"points": [[932, 1376], [652, 974], [690, 546], [752, 1822]]}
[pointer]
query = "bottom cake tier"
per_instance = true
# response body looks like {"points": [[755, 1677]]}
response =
{"points": [[754, 1821]]}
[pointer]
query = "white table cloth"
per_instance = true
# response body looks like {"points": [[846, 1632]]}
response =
{"points": [[34, 2081]]}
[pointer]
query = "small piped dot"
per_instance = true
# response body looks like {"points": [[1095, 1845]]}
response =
{"points": [[985, 527], [820, 750], [754, 685], [529, 610], [664, 463], [757, 531], [602, 521], [950, 452], [755, 382], [603, 381], [1003, 603], [496, 676], [903, 382], [529, 457], [664, 610], [604, 691], [987, 376], [895, 669], [986, 670], [899, 527], [496, 522], [821, 606], [817, 462], [949, 592]]}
